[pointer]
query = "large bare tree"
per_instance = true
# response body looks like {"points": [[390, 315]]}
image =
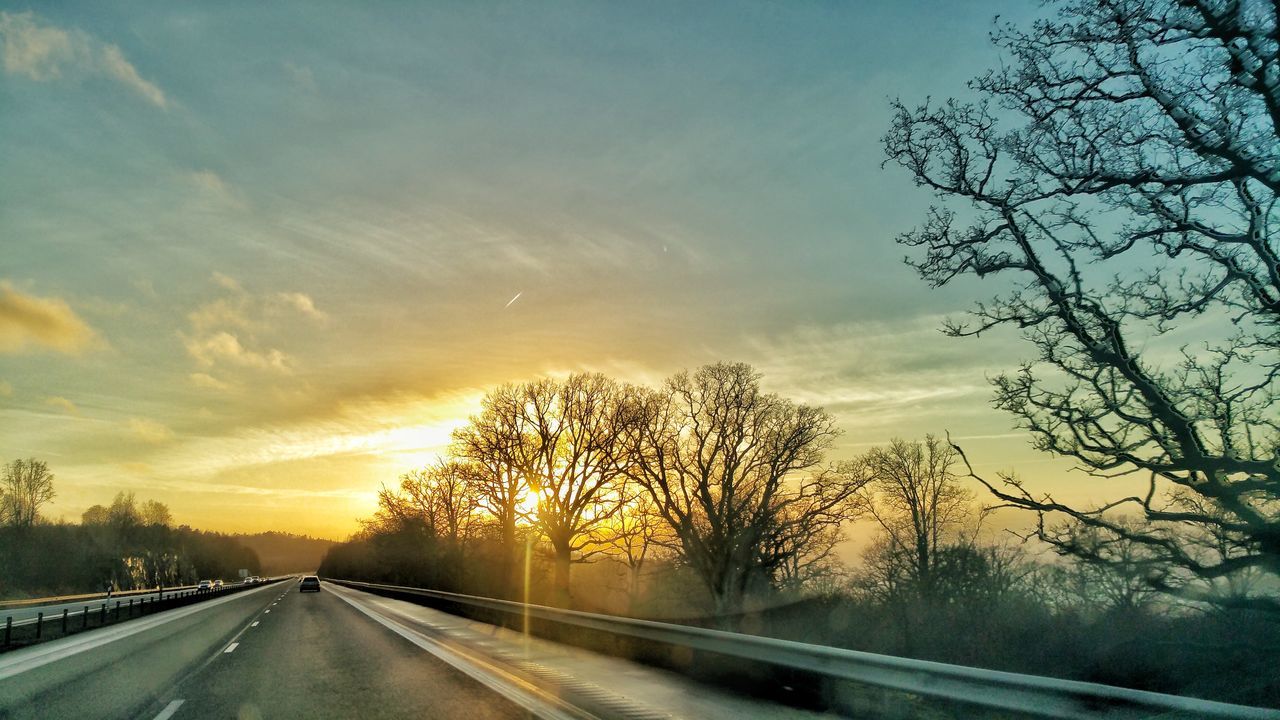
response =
{"points": [[25, 487], [1122, 188], [573, 454], [724, 464]]}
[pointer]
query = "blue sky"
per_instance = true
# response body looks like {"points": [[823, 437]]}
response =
{"points": [[262, 254]]}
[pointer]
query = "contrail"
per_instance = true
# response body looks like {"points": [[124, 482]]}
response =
{"points": [[517, 297]]}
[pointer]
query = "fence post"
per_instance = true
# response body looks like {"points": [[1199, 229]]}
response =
{"points": [[64, 621], [39, 624]]}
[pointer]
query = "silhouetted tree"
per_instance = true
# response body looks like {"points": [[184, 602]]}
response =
{"points": [[495, 442], [1134, 201], [154, 512], [25, 487], [573, 454], [634, 533], [724, 464], [920, 506]]}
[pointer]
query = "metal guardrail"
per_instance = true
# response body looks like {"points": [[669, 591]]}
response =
{"points": [[1031, 695], [60, 599], [98, 611]]}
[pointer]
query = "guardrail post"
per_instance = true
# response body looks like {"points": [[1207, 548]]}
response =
{"points": [[103, 619], [130, 607], [64, 621], [8, 629], [84, 618], [39, 624], [117, 611]]}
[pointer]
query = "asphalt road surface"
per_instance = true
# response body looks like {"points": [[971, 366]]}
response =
{"points": [[271, 652]]}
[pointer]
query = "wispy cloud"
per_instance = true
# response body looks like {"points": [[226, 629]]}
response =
{"points": [[207, 381], [149, 431], [214, 193], [42, 52], [302, 303], [406, 431], [225, 347], [62, 404], [30, 321], [219, 328], [122, 70]]}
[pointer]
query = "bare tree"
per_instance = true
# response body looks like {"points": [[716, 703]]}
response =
{"points": [[443, 497], [568, 446], [634, 533], [495, 442], [1135, 201], [1104, 572], [25, 487], [720, 460], [917, 500], [798, 551]]}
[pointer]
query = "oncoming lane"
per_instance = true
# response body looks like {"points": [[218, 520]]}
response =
{"points": [[116, 671]]}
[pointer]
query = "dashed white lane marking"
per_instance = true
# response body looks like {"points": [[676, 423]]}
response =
{"points": [[169, 710], [264, 612], [255, 624], [232, 647]]}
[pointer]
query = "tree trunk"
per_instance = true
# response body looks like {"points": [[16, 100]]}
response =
{"points": [[563, 558]]}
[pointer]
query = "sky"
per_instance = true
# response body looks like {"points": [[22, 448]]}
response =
{"points": [[257, 259]]}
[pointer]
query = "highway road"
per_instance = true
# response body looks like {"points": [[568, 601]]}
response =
{"points": [[272, 652], [265, 653]]}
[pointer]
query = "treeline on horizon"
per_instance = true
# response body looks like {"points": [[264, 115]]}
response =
{"points": [[126, 545], [710, 502]]}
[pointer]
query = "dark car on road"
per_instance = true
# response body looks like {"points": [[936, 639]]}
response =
{"points": [[309, 583]]}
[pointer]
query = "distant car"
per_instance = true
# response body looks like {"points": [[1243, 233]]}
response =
{"points": [[204, 586], [309, 583], [217, 584]]}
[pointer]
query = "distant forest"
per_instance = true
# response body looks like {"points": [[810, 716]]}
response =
{"points": [[282, 553], [126, 545]]}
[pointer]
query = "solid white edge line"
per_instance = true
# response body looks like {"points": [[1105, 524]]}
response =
{"points": [[19, 661], [169, 710], [525, 698]]}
